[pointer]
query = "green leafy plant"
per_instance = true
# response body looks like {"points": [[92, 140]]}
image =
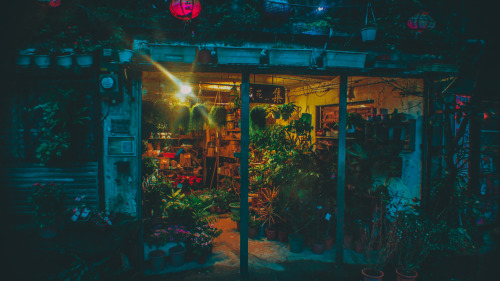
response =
{"points": [[158, 238], [287, 109], [85, 44], [182, 116], [218, 116], [269, 212], [48, 200], [149, 166], [199, 116], [275, 111], [258, 117], [155, 190]]}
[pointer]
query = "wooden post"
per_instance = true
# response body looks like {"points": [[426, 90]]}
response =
{"points": [[341, 169], [245, 142]]}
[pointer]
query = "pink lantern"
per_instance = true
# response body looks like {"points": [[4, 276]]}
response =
{"points": [[421, 22], [185, 9], [51, 3]]}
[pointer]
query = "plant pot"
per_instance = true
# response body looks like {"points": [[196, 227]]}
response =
{"points": [[329, 243], [318, 247], [238, 226], [271, 234], [48, 232], [157, 258], [344, 59], [283, 236], [65, 61], [202, 259], [84, 60], [173, 53], [125, 55], [309, 242], [290, 57], [177, 254], [368, 33], [231, 55], [296, 243], [235, 209], [204, 56], [406, 275], [24, 61], [252, 232], [371, 274], [42, 61]]}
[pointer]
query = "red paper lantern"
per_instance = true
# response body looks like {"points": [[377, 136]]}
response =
{"points": [[51, 3], [185, 9], [421, 21]]}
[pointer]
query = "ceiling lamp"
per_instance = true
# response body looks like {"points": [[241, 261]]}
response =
{"points": [[185, 9], [421, 22]]}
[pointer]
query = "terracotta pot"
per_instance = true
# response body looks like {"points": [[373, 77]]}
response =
{"points": [[283, 236], [271, 234], [157, 258], [252, 232], [329, 243], [406, 275], [318, 248], [371, 274]]}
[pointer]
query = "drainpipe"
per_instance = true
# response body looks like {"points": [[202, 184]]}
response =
{"points": [[341, 169], [245, 143]]}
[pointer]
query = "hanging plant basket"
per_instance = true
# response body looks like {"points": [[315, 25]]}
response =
{"points": [[217, 116], [258, 117], [369, 32], [199, 116]]}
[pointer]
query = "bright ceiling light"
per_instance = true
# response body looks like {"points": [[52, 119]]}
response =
{"points": [[320, 9], [186, 89]]}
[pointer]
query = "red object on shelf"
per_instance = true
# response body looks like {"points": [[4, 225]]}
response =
{"points": [[169, 155], [185, 9]]}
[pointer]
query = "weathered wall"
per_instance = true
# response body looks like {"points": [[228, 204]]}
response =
{"points": [[121, 173], [385, 95]]}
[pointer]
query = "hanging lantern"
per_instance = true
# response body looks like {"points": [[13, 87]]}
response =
{"points": [[278, 9], [51, 3], [421, 22], [185, 9]]}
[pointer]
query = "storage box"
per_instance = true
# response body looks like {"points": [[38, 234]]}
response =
{"points": [[343, 59], [173, 53]]}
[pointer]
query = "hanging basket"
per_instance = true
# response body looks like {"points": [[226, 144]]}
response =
{"points": [[369, 32]]}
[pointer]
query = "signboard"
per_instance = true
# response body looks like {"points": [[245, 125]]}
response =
{"points": [[260, 93], [121, 146]]}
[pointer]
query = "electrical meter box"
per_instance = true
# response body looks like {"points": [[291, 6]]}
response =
{"points": [[109, 87]]}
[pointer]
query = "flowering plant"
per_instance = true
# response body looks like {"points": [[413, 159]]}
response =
{"points": [[48, 199], [200, 241], [85, 44], [158, 238], [79, 211], [211, 230], [178, 234], [65, 38], [191, 183]]}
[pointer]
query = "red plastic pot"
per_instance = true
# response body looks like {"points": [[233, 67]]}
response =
{"points": [[406, 275]]}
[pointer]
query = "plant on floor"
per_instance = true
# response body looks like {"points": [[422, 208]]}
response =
{"points": [[199, 116], [269, 211], [48, 200], [178, 234], [217, 116], [158, 238], [155, 190]]}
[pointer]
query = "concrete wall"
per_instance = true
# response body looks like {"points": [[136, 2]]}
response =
{"points": [[121, 173], [386, 95]]}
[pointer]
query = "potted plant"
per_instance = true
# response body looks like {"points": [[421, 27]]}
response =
{"points": [[48, 200], [158, 238], [64, 52], [236, 219], [258, 118], [369, 32], [177, 234], [181, 122], [254, 224], [118, 41], [43, 50], [199, 116], [217, 116], [84, 47], [268, 212], [275, 111], [235, 208], [200, 244], [287, 109]]}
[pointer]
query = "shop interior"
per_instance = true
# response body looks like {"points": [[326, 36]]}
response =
{"points": [[191, 140]]}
